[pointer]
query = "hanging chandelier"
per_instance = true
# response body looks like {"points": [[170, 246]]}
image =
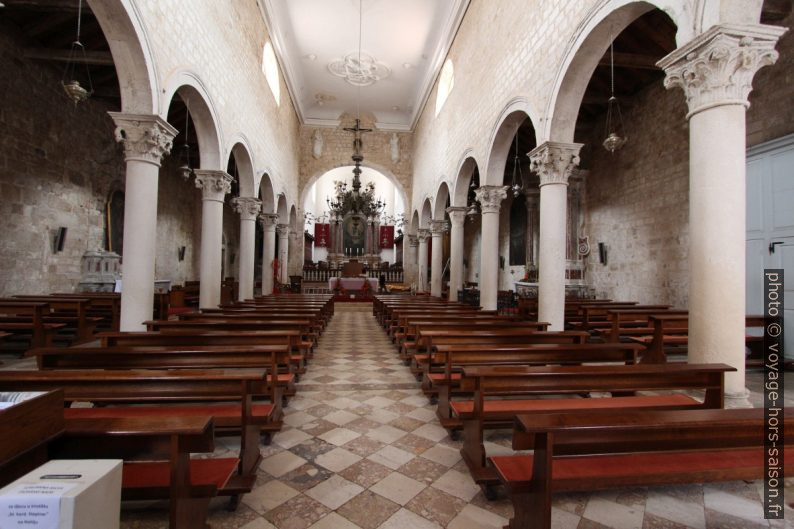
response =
{"points": [[355, 200], [71, 85], [185, 169], [614, 129], [518, 176]]}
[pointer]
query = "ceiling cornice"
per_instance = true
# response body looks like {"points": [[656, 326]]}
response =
{"points": [[448, 31]]}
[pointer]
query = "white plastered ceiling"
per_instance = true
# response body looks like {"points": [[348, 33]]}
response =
{"points": [[408, 40]]}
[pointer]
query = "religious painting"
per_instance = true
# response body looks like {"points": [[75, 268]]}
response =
{"points": [[114, 219], [518, 233], [354, 240]]}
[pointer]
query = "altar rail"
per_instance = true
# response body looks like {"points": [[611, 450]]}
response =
{"points": [[315, 275]]}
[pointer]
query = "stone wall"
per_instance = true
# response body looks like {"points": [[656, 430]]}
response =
{"points": [[637, 203], [58, 166], [771, 113], [57, 162]]}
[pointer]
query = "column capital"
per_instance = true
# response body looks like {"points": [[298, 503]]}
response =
{"points": [[214, 184], [490, 197], [282, 230], [457, 215], [413, 241], [717, 67], [554, 161], [422, 234], [146, 138], [269, 220], [247, 207], [438, 227]]}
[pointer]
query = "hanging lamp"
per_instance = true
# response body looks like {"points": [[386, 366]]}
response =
{"points": [[185, 169], [614, 130], [71, 85], [518, 176]]}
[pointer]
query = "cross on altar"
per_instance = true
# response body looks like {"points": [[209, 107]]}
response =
{"points": [[357, 130]]}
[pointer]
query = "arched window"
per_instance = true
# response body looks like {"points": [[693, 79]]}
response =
{"points": [[445, 83], [270, 69]]}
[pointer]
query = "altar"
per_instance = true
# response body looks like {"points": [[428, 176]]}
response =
{"points": [[352, 283]]}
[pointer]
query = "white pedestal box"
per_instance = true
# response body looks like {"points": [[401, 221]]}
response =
{"points": [[64, 494]]}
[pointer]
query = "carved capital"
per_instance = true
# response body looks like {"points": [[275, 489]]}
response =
{"points": [[554, 161], [268, 220], [145, 138], [422, 234], [282, 230], [214, 185], [247, 207], [438, 227], [717, 67], [457, 216], [490, 197]]}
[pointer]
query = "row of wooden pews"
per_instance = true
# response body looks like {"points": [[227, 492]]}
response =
{"points": [[206, 377], [577, 392]]}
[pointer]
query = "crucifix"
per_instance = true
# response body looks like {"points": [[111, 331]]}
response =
{"points": [[357, 156]]}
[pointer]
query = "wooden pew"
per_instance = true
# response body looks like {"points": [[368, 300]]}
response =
{"points": [[621, 448], [266, 358], [672, 330], [187, 337], [106, 305], [31, 323], [73, 312], [162, 392], [440, 383], [169, 473], [489, 409], [631, 322]]}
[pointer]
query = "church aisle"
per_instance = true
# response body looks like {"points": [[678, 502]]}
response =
{"points": [[361, 447]]}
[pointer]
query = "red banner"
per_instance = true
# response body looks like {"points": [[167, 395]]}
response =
{"points": [[386, 236], [322, 235]]}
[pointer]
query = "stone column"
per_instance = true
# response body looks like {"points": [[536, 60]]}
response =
{"points": [[214, 185], [532, 198], [437, 229], [146, 139], [490, 199], [283, 253], [269, 221], [716, 70], [421, 259], [457, 217], [554, 163], [248, 208], [410, 266]]}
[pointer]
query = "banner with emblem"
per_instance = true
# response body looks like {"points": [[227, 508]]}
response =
{"points": [[322, 235], [386, 237]]}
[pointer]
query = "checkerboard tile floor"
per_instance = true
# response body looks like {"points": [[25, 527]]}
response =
{"points": [[361, 448]]}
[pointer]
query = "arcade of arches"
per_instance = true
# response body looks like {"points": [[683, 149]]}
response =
{"points": [[196, 160]]}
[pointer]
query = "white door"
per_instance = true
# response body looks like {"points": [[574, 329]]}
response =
{"points": [[770, 226]]}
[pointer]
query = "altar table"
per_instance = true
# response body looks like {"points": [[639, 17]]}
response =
{"points": [[353, 283]]}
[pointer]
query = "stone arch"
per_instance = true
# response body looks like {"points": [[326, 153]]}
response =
{"points": [[585, 50], [267, 194], [241, 150], [465, 172], [442, 195], [427, 214], [415, 222], [511, 117], [202, 113], [374, 166], [129, 45], [281, 209]]}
